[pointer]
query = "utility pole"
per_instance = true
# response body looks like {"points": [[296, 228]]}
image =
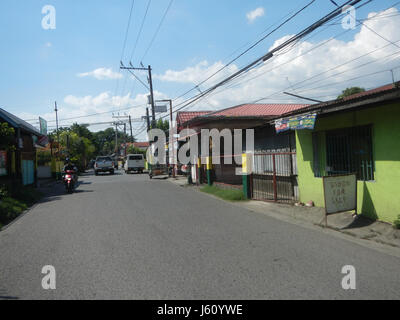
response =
{"points": [[130, 124], [148, 119], [58, 172], [171, 137], [153, 113], [116, 138], [148, 69]]}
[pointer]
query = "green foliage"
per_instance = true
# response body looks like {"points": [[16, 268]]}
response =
{"points": [[10, 209], [162, 124], [27, 195], [7, 136], [350, 91], [226, 194], [14, 199], [43, 157], [134, 150], [80, 149], [397, 222]]}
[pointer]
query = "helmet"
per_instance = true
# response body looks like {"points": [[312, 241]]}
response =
{"points": [[67, 160]]}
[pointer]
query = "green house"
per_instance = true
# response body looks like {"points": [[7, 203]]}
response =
{"points": [[358, 134]]}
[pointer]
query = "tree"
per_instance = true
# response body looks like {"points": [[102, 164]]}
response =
{"points": [[134, 150], [350, 91], [7, 136], [79, 149], [162, 124]]}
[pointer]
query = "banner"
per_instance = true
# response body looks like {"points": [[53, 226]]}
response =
{"points": [[43, 126], [281, 125], [303, 122], [3, 163], [296, 123]]}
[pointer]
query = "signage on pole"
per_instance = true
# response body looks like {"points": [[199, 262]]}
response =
{"points": [[43, 126], [160, 109]]}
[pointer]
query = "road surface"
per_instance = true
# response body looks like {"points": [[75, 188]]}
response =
{"points": [[128, 237]]}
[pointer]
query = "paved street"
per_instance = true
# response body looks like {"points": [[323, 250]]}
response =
{"points": [[128, 237]]}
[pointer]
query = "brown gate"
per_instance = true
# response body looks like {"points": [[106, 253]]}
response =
{"points": [[274, 177]]}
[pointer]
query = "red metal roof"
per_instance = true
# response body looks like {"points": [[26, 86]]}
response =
{"points": [[141, 144], [257, 110], [185, 116]]}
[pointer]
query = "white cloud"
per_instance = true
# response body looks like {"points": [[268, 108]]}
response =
{"points": [[269, 80], [200, 71], [48, 44], [101, 74], [253, 15], [287, 69]]}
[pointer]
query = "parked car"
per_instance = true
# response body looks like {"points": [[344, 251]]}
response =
{"points": [[104, 164], [134, 162]]}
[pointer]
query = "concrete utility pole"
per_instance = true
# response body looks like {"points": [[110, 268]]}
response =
{"points": [[130, 124], [116, 138], [171, 139], [148, 69], [148, 119]]}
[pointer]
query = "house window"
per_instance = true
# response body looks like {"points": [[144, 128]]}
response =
{"points": [[348, 150]]}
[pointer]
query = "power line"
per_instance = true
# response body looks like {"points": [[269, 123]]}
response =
{"points": [[158, 29], [93, 114], [124, 44], [140, 30], [248, 49], [136, 43], [271, 53], [289, 61]]}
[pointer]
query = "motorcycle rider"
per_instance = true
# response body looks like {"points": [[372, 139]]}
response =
{"points": [[68, 165]]}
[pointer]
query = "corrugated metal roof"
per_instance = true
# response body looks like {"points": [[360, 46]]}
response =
{"points": [[185, 116], [369, 92], [257, 110], [18, 123], [355, 98]]}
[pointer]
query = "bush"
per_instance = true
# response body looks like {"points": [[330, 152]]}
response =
{"points": [[10, 209], [397, 222], [231, 195], [27, 195], [43, 158]]}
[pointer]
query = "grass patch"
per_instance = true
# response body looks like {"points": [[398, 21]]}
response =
{"points": [[15, 200], [397, 222], [226, 194]]}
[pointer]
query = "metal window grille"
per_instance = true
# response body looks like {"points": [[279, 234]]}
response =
{"points": [[348, 150]]}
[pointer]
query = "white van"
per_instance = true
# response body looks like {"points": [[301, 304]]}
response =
{"points": [[134, 162]]}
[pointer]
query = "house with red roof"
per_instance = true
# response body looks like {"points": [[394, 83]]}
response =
{"points": [[359, 134], [244, 116]]}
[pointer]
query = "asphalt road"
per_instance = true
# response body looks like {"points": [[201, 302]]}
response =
{"points": [[128, 237]]}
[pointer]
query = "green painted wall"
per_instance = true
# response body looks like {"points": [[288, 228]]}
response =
{"points": [[378, 199]]}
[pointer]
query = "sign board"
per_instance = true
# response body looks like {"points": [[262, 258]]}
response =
{"points": [[296, 123], [43, 126], [303, 122], [160, 109], [340, 193], [3, 163]]}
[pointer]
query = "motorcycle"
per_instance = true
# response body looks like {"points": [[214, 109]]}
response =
{"points": [[69, 181]]}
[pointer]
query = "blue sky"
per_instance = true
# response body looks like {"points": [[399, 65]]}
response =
{"points": [[40, 66]]}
